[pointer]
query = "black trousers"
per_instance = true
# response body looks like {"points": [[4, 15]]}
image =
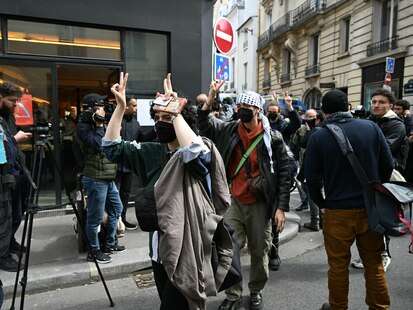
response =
{"points": [[171, 297], [124, 182]]}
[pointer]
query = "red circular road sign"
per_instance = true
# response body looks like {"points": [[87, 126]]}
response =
{"points": [[223, 35]]}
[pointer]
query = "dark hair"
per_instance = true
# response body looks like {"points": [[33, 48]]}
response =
{"points": [[320, 116], [384, 93], [129, 98], [189, 113], [7, 89], [403, 103]]}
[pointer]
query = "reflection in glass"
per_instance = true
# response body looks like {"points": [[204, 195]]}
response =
{"points": [[26, 37]]}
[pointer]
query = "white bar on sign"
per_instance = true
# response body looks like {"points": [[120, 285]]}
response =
{"points": [[224, 36]]}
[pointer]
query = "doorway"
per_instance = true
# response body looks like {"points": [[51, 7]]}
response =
{"points": [[73, 83]]}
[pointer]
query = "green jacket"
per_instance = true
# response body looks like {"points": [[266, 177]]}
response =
{"points": [[95, 165]]}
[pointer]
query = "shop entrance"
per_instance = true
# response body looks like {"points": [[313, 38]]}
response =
{"points": [[53, 93], [74, 82]]}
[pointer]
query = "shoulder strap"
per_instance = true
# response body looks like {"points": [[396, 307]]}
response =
{"points": [[248, 153], [347, 150]]}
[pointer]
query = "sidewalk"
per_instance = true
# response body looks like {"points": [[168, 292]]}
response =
{"points": [[55, 262]]}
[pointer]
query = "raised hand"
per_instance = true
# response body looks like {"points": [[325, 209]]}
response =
{"points": [[213, 91], [167, 86], [174, 105], [119, 90], [288, 101]]}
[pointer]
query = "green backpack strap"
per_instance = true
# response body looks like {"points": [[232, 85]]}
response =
{"points": [[247, 154]]}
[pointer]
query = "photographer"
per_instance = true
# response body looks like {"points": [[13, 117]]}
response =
{"points": [[9, 170], [98, 179]]}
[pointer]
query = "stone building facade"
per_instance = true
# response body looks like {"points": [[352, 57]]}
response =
{"points": [[307, 47]]}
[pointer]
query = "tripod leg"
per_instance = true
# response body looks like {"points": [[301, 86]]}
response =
{"points": [[26, 262], [16, 281], [112, 304]]}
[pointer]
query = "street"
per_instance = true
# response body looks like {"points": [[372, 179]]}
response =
{"points": [[301, 283]]}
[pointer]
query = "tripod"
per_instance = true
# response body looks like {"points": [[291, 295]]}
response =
{"points": [[33, 208]]}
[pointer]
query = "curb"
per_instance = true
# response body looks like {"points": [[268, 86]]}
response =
{"points": [[62, 274]]}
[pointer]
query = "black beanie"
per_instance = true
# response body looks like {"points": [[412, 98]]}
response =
{"points": [[334, 101]]}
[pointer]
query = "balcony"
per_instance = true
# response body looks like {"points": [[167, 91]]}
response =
{"points": [[292, 19], [266, 83], [285, 78], [312, 70], [382, 46], [306, 11]]}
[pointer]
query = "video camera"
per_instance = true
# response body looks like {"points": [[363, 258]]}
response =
{"points": [[360, 112], [90, 104]]}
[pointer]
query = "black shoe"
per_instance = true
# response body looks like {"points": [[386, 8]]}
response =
{"points": [[256, 301], [112, 249], [325, 306], [101, 257], [274, 263], [230, 304], [312, 226], [9, 264], [129, 226], [303, 206], [16, 248]]}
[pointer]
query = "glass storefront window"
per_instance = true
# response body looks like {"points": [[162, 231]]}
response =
{"points": [[25, 37], [146, 59], [35, 84], [370, 88]]}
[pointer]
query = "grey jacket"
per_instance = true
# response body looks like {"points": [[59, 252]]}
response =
{"points": [[188, 219]]}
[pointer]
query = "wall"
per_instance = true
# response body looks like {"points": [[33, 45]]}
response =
{"points": [[188, 21]]}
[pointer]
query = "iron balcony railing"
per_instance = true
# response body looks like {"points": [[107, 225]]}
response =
{"points": [[285, 77], [291, 19], [312, 70], [266, 83], [382, 46]]}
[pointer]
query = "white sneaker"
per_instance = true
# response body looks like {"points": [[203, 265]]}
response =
{"points": [[357, 263], [386, 261]]}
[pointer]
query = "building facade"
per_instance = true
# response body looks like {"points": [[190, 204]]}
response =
{"points": [[308, 47], [243, 15], [57, 52]]}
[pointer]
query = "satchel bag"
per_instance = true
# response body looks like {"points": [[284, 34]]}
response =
{"points": [[384, 202]]}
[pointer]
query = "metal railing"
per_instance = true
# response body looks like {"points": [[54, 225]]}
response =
{"points": [[382, 46], [266, 83], [285, 77], [313, 69], [291, 19]]}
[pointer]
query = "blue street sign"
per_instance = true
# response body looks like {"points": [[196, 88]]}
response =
{"points": [[390, 61], [221, 69]]}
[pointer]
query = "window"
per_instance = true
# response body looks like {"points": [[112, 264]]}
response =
{"points": [[245, 86], [384, 27], [146, 58], [266, 69], [26, 37], [345, 35], [286, 62], [314, 50], [269, 19]]}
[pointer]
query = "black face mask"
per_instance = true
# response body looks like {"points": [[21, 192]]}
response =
{"points": [[311, 122], [245, 115], [272, 116], [165, 132]]}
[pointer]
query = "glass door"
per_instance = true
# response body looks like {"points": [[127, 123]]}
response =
{"points": [[35, 113]]}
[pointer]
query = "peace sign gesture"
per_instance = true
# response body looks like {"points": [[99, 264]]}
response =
{"points": [[274, 97], [213, 90], [288, 101], [119, 90], [167, 86]]}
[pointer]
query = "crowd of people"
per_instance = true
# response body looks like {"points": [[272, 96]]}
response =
{"points": [[215, 176]]}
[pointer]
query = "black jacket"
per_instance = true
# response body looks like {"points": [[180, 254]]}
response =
{"points": [[277, 185], [326, 166], [394, 131], [286, 128]]}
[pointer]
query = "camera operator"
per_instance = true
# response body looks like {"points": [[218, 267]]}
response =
{"points": [[10, 211], [98, 179]]}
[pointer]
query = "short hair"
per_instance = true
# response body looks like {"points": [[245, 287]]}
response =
{"points": [[272, 104], [384, 93], [403, 103], [129, 98], [7, 89]]}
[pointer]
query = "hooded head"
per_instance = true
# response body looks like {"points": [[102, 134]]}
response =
{"points": [[334, 101]]}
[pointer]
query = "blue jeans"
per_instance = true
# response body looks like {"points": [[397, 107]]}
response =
{"points": [[101, 195]]}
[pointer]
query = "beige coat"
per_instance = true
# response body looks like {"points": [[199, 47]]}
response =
{"points": [[188, 219]]}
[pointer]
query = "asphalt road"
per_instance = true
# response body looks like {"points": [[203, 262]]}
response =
{"points": [[301, 283]]}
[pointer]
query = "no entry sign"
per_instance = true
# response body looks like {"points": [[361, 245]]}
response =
{"points": [[223, 35]]}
